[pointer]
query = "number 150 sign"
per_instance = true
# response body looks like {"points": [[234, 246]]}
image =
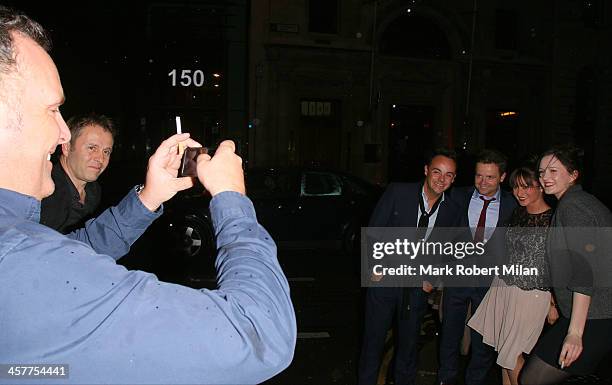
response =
{"points": [[186, 78]]}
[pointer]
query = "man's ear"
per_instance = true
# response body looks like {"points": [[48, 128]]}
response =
{"points": [[503, 176], [425, 169], [65, 148]]}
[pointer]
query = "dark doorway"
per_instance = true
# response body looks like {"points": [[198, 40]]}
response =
{"points": [[503, 135], [320, 134], [411, 131]]}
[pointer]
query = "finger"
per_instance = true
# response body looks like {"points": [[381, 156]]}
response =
{"points": [[226, 145], [183, 183], [191, 143], [574, 354], [563, 356], [174, 140], [569, 357], [174, 164], [202, 160], [180, 147]]}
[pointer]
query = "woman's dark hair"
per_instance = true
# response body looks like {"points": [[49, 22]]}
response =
{"points": [[523, 174], [570, 156]]}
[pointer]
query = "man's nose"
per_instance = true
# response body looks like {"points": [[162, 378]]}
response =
{"points": [[98, 156], [64, 131]]}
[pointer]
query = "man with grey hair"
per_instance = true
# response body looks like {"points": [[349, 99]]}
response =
{"points": [[65, 302]]}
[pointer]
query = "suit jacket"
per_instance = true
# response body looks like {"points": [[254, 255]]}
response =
{"points": [[399, 207], [495, 248]]}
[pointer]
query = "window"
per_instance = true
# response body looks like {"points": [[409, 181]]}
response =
{"points": [[403, 37], [506, 29], [323, 16], [320, 184], [269, 184]]}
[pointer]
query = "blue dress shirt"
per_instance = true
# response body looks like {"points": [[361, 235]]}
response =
{"points": [[64, 302], [476, 205]]}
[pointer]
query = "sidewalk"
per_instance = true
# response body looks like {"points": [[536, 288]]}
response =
{"points": [[428, 362]]}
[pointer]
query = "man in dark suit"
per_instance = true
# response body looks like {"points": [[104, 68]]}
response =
{"points": [[485, 210], [422, 205]]}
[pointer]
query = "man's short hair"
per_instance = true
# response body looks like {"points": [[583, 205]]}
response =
{"points": [[441, 151], [15, 21], [78, 122], [493, 156]]}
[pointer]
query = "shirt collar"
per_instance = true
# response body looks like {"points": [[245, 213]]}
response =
{"points": [[425, 196], [19, 205], [497, 195]]}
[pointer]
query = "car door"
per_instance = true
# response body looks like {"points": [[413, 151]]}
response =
{"points": [[274, 194], [323, 210]]}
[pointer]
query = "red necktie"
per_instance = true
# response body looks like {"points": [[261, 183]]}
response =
{"points": [[480, 229]]}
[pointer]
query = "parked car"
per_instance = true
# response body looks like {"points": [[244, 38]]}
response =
{"points": [[298, 207]]}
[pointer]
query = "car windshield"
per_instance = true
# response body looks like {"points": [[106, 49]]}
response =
{"points": [[320, 184]]}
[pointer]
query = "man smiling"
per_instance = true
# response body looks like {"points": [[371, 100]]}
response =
{"points": [[424, 206], [485, 210], [77, 193], [64, 300]]}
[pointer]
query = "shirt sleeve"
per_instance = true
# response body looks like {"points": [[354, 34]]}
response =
{"points": [[115, 326], [118, 227]]}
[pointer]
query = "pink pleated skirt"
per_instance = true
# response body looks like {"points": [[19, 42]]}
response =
{"points": [[510, 319]]}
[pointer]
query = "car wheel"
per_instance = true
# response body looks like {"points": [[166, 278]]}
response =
{"points": [[196, 238], [197, 248]]}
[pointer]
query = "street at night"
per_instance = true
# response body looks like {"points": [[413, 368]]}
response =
{"points": [[484, 126]]}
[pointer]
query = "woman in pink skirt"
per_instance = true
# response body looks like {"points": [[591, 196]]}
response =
{"points": [[512, 313]]}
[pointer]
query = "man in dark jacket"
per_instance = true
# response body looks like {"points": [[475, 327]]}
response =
{"points": [[485, 209], [422, 205], [77, 193]]}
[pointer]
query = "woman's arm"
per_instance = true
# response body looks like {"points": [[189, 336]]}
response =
{"points": [[572, 345]]}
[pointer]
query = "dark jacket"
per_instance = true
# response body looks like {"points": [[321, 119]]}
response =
{"points": [[495, 249], [398, 208], [62, 210], [579, 248]]}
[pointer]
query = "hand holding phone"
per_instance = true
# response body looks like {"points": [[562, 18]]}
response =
{"points": [[189, 162]]}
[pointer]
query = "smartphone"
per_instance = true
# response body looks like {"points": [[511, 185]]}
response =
{"points": [[189, 161]]}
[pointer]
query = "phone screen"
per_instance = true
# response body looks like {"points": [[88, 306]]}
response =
{"points": [[189, 161]]}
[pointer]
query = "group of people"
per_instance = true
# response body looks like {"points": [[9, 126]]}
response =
{"points": [[65, 301], [571, 290]]}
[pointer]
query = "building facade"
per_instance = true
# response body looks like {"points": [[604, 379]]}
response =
{"points": [[369, 86]]}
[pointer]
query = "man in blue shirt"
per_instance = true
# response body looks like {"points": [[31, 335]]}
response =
{"points": [[64, 300]]}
